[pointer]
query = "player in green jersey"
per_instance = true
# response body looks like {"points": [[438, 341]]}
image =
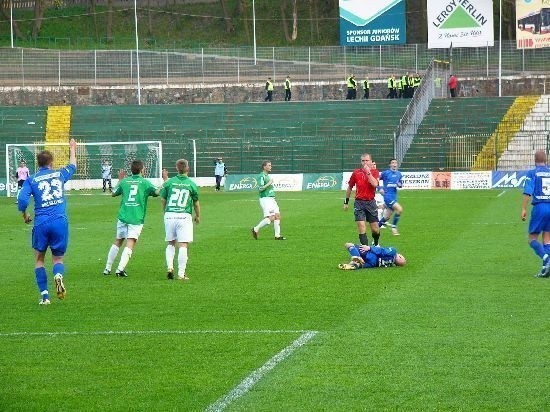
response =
{"points": [[179, 196], [135, 190], [269, 205]]}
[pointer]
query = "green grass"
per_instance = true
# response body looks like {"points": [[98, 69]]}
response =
{"points": [[464, 326]]}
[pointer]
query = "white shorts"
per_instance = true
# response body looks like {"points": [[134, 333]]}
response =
{"points": [[379, 200], [127, 231], [269, 206], [178, 226]]}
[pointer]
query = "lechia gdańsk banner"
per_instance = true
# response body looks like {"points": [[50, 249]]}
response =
{"points": [[532, 23], [462, 23], [372, 22]]}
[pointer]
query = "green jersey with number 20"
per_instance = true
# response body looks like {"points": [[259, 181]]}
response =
{"points": [[180, 192], [135, 191]]}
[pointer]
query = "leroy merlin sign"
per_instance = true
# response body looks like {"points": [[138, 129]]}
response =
{"points": [[462, 23]]}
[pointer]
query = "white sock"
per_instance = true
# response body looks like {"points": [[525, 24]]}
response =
{"points": [[182, 261], [124, 258], [277, 227], [170, 253], [111, 256], [264, 222]]}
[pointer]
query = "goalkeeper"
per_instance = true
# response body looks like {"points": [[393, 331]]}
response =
{"points": [[365, 257]]}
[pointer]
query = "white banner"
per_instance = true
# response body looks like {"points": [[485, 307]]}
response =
{"points": [[287, 182], [345, 180], [417, 180], [471, 180], [464, 23]]}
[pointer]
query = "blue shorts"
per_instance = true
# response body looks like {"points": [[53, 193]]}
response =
{"points": [[540, 218], [389, 201], [53, 234]]}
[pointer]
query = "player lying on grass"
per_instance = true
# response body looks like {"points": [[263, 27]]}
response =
{"points": [[364, 257]]}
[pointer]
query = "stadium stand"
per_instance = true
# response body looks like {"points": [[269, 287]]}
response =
{"points": [[297, 137], [534, 134], [20, 124], [508, 126], [453, 132]]}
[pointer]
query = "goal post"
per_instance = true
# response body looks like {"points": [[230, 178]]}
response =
{"points": [[89, 159]]}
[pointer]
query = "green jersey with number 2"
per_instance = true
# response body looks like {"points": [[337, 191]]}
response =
{"points": [[135, 191], [263, 178], [180, 192]]}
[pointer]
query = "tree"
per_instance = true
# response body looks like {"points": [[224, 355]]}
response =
{"points": [[227, 18], [294, 36], [39, 9], [314, 20], [5, 15], [109, 28], [94, 17], [149, 19], [243, 13]]}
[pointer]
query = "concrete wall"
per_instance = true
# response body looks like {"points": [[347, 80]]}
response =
{"points": [[95, 95]]}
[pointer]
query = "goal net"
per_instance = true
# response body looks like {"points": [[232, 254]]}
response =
{"points": [[89, 160]]}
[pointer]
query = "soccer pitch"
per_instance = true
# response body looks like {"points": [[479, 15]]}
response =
{"points": [[275, 326]]}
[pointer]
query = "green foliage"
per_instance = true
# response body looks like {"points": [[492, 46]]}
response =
{"points": [[462, 327], [173, 26]]}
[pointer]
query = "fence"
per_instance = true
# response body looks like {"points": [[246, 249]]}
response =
{"points": [[27, 67], [292, 152], [433, 85]]}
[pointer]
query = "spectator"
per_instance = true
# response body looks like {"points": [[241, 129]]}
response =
{"points": [[288, 89], [352, 88], [366, 88], [452, 85], [269, 89], [392, 88]]}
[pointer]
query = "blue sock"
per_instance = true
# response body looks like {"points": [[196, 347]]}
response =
{"points": [[353, 251], [381, 221], [42, 281], [396, 219], [537, 247], [547, 249], [59, 268]]}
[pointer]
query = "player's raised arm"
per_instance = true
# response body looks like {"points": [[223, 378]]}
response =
{"points": [[72, 150]]}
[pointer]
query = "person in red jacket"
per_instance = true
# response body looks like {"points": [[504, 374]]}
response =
{"points": [[365, 181], [452, 85]]}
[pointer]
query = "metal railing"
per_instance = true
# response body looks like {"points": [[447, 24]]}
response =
{"points": [[433, 85], [44, 67]]}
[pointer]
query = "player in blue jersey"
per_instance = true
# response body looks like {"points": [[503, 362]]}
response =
{"points": [[391, 181], [365, 257], [537, 190], [51, 227]]}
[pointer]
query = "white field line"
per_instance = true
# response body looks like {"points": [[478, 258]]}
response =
{"points": [[501, 193], [146, 332], [252, 379]]}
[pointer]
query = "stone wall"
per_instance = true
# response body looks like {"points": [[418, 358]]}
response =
{"points": [[95, 95]]}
